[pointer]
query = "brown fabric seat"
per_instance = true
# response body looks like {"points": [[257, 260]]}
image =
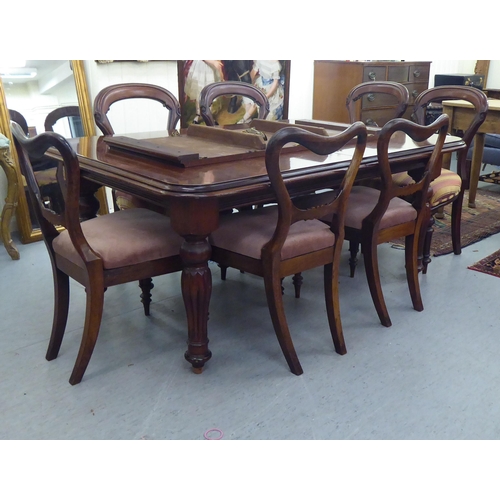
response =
{"points": [[283, 240], [246, 233], [124, 246], [361, 203], [132, 237]]}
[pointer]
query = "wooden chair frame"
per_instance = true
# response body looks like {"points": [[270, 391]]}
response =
{"points": [[370, 236], [271, 266], [479, 100], [91, 274], [109, 95]]}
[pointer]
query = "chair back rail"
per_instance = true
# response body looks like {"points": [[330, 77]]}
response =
{"points": [[217, 89], [109, 95]]}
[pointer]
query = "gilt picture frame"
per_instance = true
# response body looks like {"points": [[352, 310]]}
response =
{"points": [[273, 77]]}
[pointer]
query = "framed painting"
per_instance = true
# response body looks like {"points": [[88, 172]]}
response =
{"points": [[272, 77]]}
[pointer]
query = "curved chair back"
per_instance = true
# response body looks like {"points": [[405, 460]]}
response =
{"points": [[217, 89], [109, 95], [17, 117], [370, 90], [417, 191], [317, 206], [57, 114], [68, 178], [451, 92]]}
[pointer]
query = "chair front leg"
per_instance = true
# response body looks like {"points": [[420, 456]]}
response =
{"points": [[93, 316], [61, 307]]}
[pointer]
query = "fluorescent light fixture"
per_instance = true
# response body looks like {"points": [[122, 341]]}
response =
{"points": [[10, 72]]}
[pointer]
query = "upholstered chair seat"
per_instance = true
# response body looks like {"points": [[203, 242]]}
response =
{"points": [[362, 201], [245, 233], [132, 237], [445, 188]]}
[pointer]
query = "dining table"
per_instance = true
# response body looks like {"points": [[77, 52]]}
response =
{"points": [[195, 177]]}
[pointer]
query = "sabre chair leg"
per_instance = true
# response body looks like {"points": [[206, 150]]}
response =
{"points": [[373, 277], [333, 308], [61, 307], [411, 261], [93, 316], [277, 311]]}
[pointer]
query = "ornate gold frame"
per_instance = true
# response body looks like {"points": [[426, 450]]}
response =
{"points": [[26, 231]]}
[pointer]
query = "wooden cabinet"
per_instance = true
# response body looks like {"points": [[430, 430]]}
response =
{"points": [[333, 80]]}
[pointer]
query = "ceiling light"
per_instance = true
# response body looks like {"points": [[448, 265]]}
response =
{"points": [[17, 72]]}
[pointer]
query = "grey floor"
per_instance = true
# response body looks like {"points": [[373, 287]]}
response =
{"points": [[433, 375]]}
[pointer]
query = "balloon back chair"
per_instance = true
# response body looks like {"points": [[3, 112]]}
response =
{"points": [[280, 240], [449, 186], [122, 91], [251, 96], [375, 216], [108, 250]]}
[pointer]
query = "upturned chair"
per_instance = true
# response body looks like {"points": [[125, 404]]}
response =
{"points": [[377, 216], [281, 240], [218, 89], [449, 187], [121, 91], [392, 94], [116, 248]]}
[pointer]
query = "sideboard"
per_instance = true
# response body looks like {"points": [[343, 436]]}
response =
{"points": [[333, 80]]}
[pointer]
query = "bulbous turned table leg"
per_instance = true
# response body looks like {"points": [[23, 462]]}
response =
{"points": [[10, 206]]}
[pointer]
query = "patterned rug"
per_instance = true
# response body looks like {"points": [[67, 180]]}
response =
{"points": [[477, 223], [488, 265], [493, 178]]}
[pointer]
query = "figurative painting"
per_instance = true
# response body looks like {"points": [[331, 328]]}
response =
{"points": [[272, 77]]}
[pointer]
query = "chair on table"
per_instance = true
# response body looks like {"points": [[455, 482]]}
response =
{"points": [[377, 216], [114, 93], [247, 91], [59, 113], [392, 94], [281, 240], [449, 186], [108, 250]]}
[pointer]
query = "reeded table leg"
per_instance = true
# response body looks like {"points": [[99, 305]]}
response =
{"points": [[194, 220], [196, 285], [10, 202]]}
